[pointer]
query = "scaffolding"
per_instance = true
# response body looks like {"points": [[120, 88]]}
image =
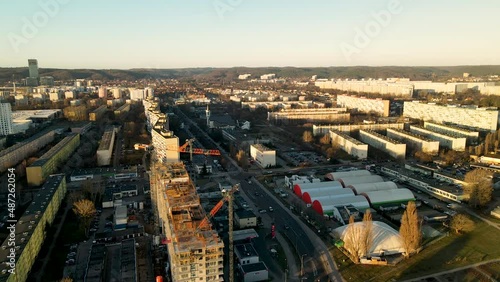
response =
{"points": [[195, 253]]}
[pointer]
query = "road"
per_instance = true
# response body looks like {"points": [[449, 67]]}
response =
{"points": [[318, 264]]}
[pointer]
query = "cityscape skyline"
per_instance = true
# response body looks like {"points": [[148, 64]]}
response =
{"points": [[222, 33]]}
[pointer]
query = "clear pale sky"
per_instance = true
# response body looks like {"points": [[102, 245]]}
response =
{"points": [[195, 33]]}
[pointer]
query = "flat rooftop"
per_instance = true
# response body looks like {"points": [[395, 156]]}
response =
{"points": [[54, 150], [26, 141], [36, 114], [383, 137], [245, 250], [418, 136], [348, 137], [104, 171], [249, 268], [106, 139], [28, 222], [244, 234], [261, 147], [431, 131]]}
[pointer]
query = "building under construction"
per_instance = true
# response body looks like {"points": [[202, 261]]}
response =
{"points": [[195, 252]]}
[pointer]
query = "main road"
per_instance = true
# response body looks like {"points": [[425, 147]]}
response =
{"points": [[316, 260]]}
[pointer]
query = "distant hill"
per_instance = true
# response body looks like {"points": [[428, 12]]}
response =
{"points": [[414, 73]]}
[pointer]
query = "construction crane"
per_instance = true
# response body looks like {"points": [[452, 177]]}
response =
{"points": [[227, 196], [189, 143]]}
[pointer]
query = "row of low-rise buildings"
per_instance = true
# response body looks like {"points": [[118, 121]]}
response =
{"points": [[365, 105]]}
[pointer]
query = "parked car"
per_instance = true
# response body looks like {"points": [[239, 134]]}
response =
{"points": [[262, 211], [271, 209]]}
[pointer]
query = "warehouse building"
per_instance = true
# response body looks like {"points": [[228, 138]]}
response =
{"points": [[376, 186], [319, 193], [449, 141], [31, 229], [329, 206], [350, 145], [322, 195], [263, 155], [364, 105], [346, 181], [11, 156], [482, 118], [49, 162], [338, 174], [390, 146], [388, 198], [299, 189], [105, 150], [301, 116], [415, 141], [471, 136]]}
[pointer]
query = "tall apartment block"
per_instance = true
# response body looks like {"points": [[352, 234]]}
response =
{"points": [[195, 253], [365, 105], [447, 140], [49, 162], [352, 146], [480, 118], [97, 114], [164, 141], [31, 230], [415, 141], [390, 146], [5, 119], [471, 136], [18, 152]]}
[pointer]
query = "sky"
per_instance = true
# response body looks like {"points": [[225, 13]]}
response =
{"points": [[124, 34]]}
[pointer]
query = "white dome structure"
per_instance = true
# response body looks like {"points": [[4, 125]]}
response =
{"points": [[368, 187], [339, 174], [346, 181], [310, 195], [386, 240]]}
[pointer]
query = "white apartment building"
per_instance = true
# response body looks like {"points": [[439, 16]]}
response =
{"points": [[364, 105], [55, 96], [5, 119], [324, 129], [244, 76], [450, 141], [472, 136], [264, 156], [268, 76], [415, 141], [137, 94], [350, 145], [69, 94], [482, 118], [301, 116], [103, 92], [392, 147], [105, 150], [385, 87]]}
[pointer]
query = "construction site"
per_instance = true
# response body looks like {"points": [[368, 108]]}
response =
{"points": [[195, 250]]}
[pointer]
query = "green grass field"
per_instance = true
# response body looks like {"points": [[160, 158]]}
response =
{"points": [[450, 252]]}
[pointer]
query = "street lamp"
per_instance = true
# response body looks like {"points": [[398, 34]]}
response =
{"points": [[302, 264]]}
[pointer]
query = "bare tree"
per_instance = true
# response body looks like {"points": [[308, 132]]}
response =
{"points": [[307, 136], [353, 239], [85, 210], [326, 140], [410, 230], [242, 159], [423, 157], [461, 223], [67, 279], [478, 187], [367, 236]]}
